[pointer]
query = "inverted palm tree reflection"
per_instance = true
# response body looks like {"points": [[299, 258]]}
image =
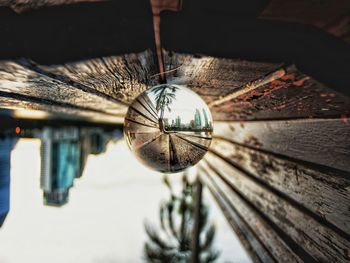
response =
{"points": [[164, 96], [173, 240]]}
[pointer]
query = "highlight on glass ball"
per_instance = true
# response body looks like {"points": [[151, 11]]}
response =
{"points": [[168, 128]]}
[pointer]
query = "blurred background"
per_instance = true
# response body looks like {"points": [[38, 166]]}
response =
{"points": [[77, 194]]}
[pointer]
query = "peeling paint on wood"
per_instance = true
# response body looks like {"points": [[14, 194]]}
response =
{"points": [[213, 78], [250, 86], [291, 95]]}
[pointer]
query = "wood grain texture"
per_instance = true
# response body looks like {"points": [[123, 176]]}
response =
{"points": [[254, 248], [317, 240], [18, 79], [264, 232], [213, 78], [282, 96], [324, 193], [250, 86], [320, 141], [119, 77], [105, 86], [315, 52], [62, 111]]}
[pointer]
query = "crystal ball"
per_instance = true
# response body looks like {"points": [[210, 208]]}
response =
{"points": [[168, 128]]}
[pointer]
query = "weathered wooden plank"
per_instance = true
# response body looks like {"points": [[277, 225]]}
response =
{"points": [[213, 78], [120, 77], [282, 96], [319, 241], [250, 86], [313, 51], [320, 141], [11, 101], [324, 193], [20, 79], [280, 251], [254, 248]]}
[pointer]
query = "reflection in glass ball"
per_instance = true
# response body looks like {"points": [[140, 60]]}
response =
{"points": [[168, 128]]}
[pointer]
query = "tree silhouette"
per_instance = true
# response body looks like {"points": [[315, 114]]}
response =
{"points": [[172, 242], [165, 94]]}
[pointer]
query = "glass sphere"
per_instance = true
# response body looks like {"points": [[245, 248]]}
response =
{"points": [[168, 128]]}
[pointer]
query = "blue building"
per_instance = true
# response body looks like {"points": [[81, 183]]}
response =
{"points": [[6, 146], [60, 163], [197, 119], [206, 121], [178, 122]]}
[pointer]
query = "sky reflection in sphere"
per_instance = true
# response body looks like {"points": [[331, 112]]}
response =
{"points": [[168, 128]]}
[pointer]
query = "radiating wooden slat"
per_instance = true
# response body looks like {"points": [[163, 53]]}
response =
{"points": [[321, 141], [104, 85], [61, 110], [280, 251], [284, 94], [18, 79], [213, 78], [108, 71], [249, 87], [255, 249], [324, 193], [119, 77], [139, 117], [220, 34], [319, 241]]}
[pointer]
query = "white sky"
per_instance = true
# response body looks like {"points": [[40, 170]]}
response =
{"points": [[184, 106], [103, 221]]}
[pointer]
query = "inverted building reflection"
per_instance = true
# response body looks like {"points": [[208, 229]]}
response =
{"points": [[126, 196], [6, 146], [65, 148], [64, 153]]}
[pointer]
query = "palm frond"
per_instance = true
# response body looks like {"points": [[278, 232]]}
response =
{"points": [[210, 256], [153, 254], [156, 239], [162, 211], [171, 221], [209, 236]]}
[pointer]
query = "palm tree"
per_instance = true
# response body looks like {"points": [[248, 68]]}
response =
{"points": [[165, 94], [172, 242]]}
